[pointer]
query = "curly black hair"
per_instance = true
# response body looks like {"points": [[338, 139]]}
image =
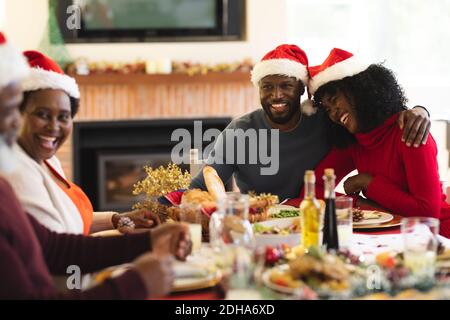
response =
{"points": [[74, 103], [375, 95]]}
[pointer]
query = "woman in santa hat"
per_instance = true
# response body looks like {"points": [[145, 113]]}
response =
{"points": [[31, 254], [50, 103], [364, 102]]}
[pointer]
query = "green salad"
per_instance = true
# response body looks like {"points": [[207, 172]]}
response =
{"points": [[286, 214]]}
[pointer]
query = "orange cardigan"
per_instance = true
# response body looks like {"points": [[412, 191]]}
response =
{"points": [[79, 198]]}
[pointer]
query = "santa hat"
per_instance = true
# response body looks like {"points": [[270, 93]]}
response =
{"points": [[338, 65], [13, 65], [286, 59], [46, 74]]}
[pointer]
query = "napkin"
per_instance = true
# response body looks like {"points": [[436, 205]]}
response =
{"points": [[186, 270]]}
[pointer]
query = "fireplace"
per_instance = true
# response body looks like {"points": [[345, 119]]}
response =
{"points": [[109, 156]]}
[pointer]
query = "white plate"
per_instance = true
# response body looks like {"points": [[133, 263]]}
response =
{"points": [[195, 273], [384, 217], [195, 283]]}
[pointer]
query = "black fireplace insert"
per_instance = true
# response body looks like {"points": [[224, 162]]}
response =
{"points": [[109, 156]]}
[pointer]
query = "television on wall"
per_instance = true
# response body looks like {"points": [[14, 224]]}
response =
{"points": [[152, 20]]}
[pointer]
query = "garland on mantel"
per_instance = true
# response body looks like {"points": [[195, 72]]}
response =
{"points": [[84, 67]]}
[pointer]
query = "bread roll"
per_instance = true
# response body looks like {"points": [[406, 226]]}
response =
{"points": [[213, 183], [197, 196]]}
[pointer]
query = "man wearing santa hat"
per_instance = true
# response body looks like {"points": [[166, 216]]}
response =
{"points": [[299, 132], [30, 253]]}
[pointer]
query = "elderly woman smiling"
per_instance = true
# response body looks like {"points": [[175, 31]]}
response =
{"points": [[50, 103]]}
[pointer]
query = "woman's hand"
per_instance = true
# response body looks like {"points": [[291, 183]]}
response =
{"points": [[416, 126], [141, 218], [172, 238], [357, 183], [366, 203]]}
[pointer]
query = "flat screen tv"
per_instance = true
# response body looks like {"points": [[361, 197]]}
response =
{"points": [[152, 20]]}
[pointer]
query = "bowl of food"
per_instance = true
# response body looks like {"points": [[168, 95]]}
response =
{"points": [[281, 211], [277, 232]]}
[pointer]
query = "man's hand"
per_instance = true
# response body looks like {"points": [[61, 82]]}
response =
{"points": [[156, 272], [172, 238], [141, 218], [357, 183], [416, 126]]}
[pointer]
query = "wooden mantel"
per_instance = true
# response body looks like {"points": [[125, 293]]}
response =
{"points": [[112, 97], [117, 96]]}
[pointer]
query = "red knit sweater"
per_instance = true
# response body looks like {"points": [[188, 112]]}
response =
{"points": [[29, 253], [405, 179]]}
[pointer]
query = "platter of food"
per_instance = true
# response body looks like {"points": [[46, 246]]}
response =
{"points": [[326, 274], [279, 279]]}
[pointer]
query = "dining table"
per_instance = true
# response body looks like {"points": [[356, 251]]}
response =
{"points": [[368, 242]]}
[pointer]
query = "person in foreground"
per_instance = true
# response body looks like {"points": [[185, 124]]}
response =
{"points": [[302, 142], [364, 102], [51, 100], [30, 252]]}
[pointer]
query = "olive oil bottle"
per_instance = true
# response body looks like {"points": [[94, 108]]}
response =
{"points": [[310, 213]]}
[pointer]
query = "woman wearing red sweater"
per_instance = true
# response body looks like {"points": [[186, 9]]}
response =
{"points": [[363, 102]]}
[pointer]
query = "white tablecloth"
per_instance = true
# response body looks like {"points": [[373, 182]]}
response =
{"points": [[371, 245]]}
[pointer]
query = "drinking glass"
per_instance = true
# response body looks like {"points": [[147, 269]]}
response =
{"points": [[236, 228], [344, 221], [420, 245], [192, 215]]}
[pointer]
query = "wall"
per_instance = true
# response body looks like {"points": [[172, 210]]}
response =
{"points": [[2, 14], [261, 36]]}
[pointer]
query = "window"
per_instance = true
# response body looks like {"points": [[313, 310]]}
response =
{"points": [[412, 37]]}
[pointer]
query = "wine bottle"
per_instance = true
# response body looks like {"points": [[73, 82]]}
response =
{"points": [[310, 213], [330, 233]]}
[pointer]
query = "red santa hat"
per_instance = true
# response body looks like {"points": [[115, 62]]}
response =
{"points": [[46, 74], [13, 65], [338, 65], [286, 59]]}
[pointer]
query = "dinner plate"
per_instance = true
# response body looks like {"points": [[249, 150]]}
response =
{"points": [[196, 283], [107, 233], [197, 272], [384, 217], [395, 222]]}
